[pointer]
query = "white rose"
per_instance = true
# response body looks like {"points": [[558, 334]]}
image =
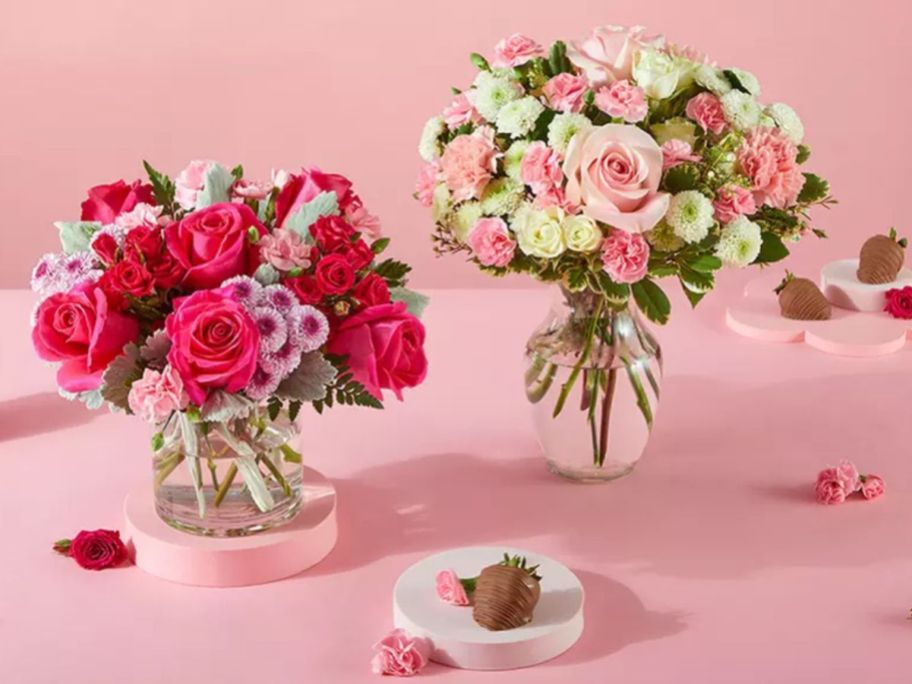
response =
{"points": [[581, 233], [538, 231], [657, 73]]}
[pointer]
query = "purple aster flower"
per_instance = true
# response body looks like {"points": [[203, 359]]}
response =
{"points": [[245, 290], [44, 274], [279, 297], [308, 327], [78, 264], [272, 327], [283, 361], [262, 384]]}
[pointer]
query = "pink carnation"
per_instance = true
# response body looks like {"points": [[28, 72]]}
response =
{"points": [[872, 486], [830, 488], [426, 183], [362, 220], [251, 189], [284, 249], [848, 475], [515, 50], [622, 100], [155, 395], [625, 256], [541, 168], [142, 215], [706, 110], [768, 159], [565, 92], [450, 589], [491, 242], [733, 201], [676, 152], [555, 197], [400, 654], [467, 165], [190, 181], [460, 112]]}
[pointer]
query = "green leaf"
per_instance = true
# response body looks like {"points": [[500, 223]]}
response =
{"points": [[681, 177], [705, 263], [615, 293], [663, 270], [735, 81], [156, 348], [771, 250], [804, 153], [75, 236], [557, 59], [309, 380], [158, 441], [162, 187], [273, 408], [576, 280], [415, 302], [380, 245], [237, 172], [693, 297], [120, 375], [651, 300], [814, 189], [393, 272], [540, 132], [294, 408], [216, 186], [324, 204], [266, 274], [480, 62], [695, 280]]}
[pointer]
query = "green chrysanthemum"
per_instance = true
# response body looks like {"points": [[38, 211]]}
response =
{"points": [[517, 118], [787, 120], [429, 146], [502, 196], [562, 129], [690, 214], [741, 110], [663, 239], [491, 92], [512, 160], [464, 219], [739, 244]]}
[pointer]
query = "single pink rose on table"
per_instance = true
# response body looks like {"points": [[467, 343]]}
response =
{"points": [[284, 249], [830, 488], [467, 165], [385, 348], [491, 243], [213, 244], [299, 189], [399, 654], [450, 588], [675, 152], [107, 202], [607, 54], [733, 201], [898, 302], [622, 100], [706, 110], [82, 331], [515, 51], [848, 475], [613, 174], [625, 256], [427, 183], [214, 343], [157, 394], [190, 182], [872, 486], [565, 92], [769, 159], [540, 168], [460, 112]]}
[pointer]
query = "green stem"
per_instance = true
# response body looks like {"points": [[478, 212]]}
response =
{"points": [[536, 390], [167, 466], [213, 472], [642, 398], [226, 484], [584, 356], [607, 401], [590, 387], [291, 456], [276, 473]]}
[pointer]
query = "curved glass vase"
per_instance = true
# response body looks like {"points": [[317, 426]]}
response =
{"points": [[593, 374], [227, 479]]}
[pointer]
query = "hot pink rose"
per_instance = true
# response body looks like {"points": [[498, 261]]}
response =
{"points": [[96, 549], [515, 50], [107, 202], [540, 168], [385, 348], [460, 112], [426, 183], [213, 244], [830, 488], [301, 188], [768, 158], [733, 201], [565, 92], [284, 249], [214, 343], [401, 655], [156, 394], [190, 181], [81, 330], [613, 173], [450, 589], [467, 165], [707, 111], [872, 486], [607, 54], [491, 242], [898, 302], [623, 100], [625, 256], [676, 152]]}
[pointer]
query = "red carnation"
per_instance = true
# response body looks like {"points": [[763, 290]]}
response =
{"points": [[332, 232], [371, 291]]}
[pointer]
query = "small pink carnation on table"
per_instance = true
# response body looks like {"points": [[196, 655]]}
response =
{"points": [[622, 100], [830, 487], [157, 394], [872, 486], [491, 243], [565, 92], [451, 589], [540, 168], [284, 249], [515, 51], [625, 256], [467, 165], [460, 112], [848, 475], [733, 201], [426, 183], [399, 654], [706, 110], [769, 159], [675, 152]]}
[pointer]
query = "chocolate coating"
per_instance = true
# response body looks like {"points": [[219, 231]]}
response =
{"points": [[880, 260], [802, 300], [505, 597]]}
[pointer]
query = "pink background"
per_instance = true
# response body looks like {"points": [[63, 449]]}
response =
{"points": [[92, 87]]}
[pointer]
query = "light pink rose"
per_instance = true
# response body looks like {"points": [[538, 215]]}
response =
{"points": [[156, 394], [426, 183], [607, 55], [565, 92], [848, 475], [768, 159], [623, 100], [733, 201], [450, 589], [687, 52], [142, 215], [676, 152], [284, 249], [491, 242], [190, 181], [467, 165], [460, 112], [872, 486], [400, 654], [515, 50], [706, 110], [613, 173], [830, 488], [625, 256], [540, 168], [251, 189]]}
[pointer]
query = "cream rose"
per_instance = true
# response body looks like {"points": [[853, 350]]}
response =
{"points": [[581, 233], [659, 74], [538, 231]]}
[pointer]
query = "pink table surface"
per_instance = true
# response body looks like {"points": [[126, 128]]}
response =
{"points": [[710, 563]]}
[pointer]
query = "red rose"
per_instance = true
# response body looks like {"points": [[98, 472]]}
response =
{"points": [[305, 288], [79, 328], [302, 188], [334, 274], [212, 244], [371, 291], [128, 277], [899, 302], [165, 270], [98, 549], [105, 247], [359, 254], [385, 348], [107, 202], [331, 232], [144, 241]]}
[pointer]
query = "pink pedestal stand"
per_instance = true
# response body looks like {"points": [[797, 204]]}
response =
{"points": [[459, 642], [186, 558]]}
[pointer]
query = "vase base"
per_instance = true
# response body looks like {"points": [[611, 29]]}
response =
{"points": [[590, 474]]}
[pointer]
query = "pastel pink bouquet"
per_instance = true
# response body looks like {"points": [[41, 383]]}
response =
{"points": [[213, 306]]}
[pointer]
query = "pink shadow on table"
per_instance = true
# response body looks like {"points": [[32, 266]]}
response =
{"points": [[40, 413]]}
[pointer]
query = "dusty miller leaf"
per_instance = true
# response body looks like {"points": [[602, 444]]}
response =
{"points": [[76, 235], [221, 406], [324, 204], [309, 380], [415, 302], [216, 185], [120, 376], [155, 350]]}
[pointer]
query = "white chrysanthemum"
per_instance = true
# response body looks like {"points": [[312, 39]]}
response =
{"points": [[517, 118], [739, 243], [491, 92], [581, 233], [690, 214], [741, 110], [787, 120], [748, 80], [513, 157], [663, 239], [464, 219], [502, 196], [429, 146], [712, 79], [538, 232], [441, 203], [562, 129]]}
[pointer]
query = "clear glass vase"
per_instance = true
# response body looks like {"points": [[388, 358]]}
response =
{"points": [[227, 479], [593, 374]]}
